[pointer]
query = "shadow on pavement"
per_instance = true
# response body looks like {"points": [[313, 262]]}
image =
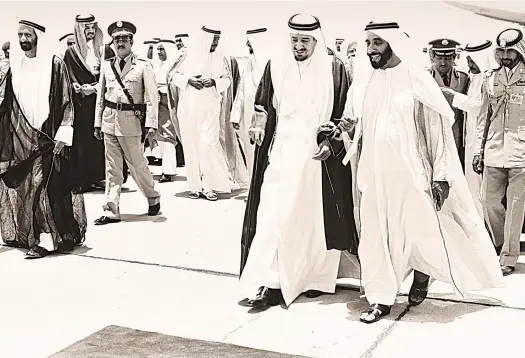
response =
{"points": [[102, 192], [176, 178], [143, 217]]}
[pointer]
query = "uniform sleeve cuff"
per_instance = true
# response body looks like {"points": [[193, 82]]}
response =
{"points": [[65, 135]]}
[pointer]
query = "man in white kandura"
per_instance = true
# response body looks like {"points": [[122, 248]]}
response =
{"points": [[417, 213]]}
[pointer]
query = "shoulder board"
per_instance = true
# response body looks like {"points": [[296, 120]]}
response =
{"points": [[111, 58], [459, 72], [141, 59]]}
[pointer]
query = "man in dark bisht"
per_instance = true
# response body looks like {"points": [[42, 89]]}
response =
{"points": [[299, 210], [38, 210], [83, 64]]}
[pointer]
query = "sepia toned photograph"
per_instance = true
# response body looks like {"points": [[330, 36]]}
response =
{"points": [[339, 179]]}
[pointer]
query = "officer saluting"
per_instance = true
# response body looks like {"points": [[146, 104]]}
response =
{"points": [[126, 101], [500, 145], [443, 53]]}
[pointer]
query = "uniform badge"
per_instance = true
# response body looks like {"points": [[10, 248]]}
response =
{"points": [[119, 23], [444, 42], [516, 98]]}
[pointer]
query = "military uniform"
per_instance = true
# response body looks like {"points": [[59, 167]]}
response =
{"points": [[459, 82], [122, 128], [502, 146]]}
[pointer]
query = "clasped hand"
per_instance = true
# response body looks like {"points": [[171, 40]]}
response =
{"points": [[440, 191], [199, 83], [348, 123]]}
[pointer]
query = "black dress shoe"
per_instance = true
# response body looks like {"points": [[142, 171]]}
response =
{"points": [[313, 293], [266, 297], [154, 209], [103, 220], [165, 178], [507, 270]]}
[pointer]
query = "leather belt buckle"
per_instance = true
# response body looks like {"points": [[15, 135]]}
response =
{"points": [[119, 106]]}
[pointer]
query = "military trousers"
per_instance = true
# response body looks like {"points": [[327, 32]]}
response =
{"points": [[499, 185], [129, 149]]}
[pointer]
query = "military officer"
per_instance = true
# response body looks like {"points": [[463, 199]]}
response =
{"points": [[500, 147], [443, 55], [127, 96]]}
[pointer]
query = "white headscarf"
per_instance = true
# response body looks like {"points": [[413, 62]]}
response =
{"points": [[198, 55], [261, 43], [81, 43], [320, 66], [32, 88], [424, 88], [162, 67], [484, 58]]}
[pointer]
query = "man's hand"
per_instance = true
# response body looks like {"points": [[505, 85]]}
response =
{"points": [[256, 135], [150, 133], [98, 134], [196, 83], [236, 126], [208, 82], [327, 128], [88, 90], [440, 191], [77, 87], [348, 123], [59, 146], [322, 152], [477, 164], [448, 93]]}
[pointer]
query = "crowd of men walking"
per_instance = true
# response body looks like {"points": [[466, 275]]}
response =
{"points": [[357, 148]]}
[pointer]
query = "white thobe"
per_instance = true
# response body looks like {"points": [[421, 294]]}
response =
{"points": [[289, 248], [91, 59], [400, 228], [471, 104], [166, 150], [242, 113], [198, 112]]}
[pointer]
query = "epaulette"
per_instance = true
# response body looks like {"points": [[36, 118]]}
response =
{"points": [[110, 59], [459, 72], [140, 59]]}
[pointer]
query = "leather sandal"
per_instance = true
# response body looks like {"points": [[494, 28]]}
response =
{"points": [[418, 292], [375, 310], [211, 195], [194, 195], [36, 252]]}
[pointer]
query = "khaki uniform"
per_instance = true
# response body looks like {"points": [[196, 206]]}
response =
{"points": [[459, 82], [122, 129], [504, 159]]}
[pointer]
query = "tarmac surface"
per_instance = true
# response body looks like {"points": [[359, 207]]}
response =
{"points": [[176, 274]]}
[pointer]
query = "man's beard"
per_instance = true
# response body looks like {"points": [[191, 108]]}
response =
{"points": [[383, 59], [90, 36], [26, 46]]}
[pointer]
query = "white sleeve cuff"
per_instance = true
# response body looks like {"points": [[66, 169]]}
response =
{"points": [[65, 135]]}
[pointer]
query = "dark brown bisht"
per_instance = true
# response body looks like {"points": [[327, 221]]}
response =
{"points": [[36, 185], [340, 228]]}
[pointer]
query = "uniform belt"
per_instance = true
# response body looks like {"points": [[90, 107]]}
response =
{"points": [[125, 106]]}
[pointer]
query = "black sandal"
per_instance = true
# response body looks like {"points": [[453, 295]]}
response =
{"points": [[36, 252], [418, 292], [377, 311]]}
